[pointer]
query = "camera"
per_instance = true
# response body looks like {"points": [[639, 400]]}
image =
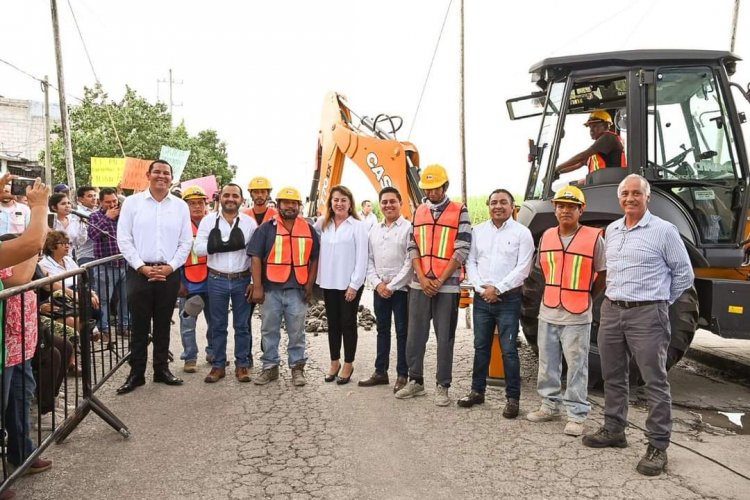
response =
{"points": [[51, 221], [18, 186]]}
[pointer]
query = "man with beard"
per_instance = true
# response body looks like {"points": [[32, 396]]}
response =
{"points": [[285, 262], [223, 237], [154, 235], [260, 193], [14, 216]]}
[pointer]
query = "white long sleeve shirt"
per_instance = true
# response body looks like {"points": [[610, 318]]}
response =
{"points": [[388, 257], [343, 254], [76, 231], [500, 257], [225, 262], [154, 231]]}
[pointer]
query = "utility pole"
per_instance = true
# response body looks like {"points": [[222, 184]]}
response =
{"points": [[171, 82], [64, 122], [461, 122], [47, 148], [735, 15]]}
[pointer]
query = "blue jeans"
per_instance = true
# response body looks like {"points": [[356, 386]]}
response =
{"points": [[187, 330], [396, 305], [289, 303], [106, 280], [19, 391], [222, 290], [572, 341], [504, 315]]}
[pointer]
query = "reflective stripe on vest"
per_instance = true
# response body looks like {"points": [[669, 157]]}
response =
{"points": [[568, 272], [436, 238], [596, 161], [196, 269], [290, 251]]}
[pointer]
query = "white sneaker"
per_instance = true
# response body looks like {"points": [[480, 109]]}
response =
{"points": [[441, 396], [411, 390], [543, 414], [573, 428]]}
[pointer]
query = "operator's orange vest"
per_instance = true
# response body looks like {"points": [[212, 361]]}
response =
{"points": [[596, 161], [435, 238], [270, 213], [196, 270], [290, 251], [568, 273]]}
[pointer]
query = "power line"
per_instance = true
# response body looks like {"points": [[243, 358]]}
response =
{"points": [[37, 78], [429, 70]]}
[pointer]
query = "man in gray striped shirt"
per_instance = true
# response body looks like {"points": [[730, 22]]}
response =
{"points": [[648, 268]]}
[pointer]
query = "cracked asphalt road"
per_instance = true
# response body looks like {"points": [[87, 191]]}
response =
{"points": [[233, 440]]}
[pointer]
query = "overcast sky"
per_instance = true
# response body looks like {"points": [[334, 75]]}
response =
{"points": [[257, 71]]}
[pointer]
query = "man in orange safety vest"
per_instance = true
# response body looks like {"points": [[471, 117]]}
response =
{"points": [[607, 150], [572, 260]]}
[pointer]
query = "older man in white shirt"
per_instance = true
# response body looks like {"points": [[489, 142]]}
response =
{"points": [[223, 237], [499, 261], [154, 236], [389, 272]]}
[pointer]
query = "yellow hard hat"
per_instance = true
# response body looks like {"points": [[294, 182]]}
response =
{"points": [[569, 194], [259, 183], [194, 193], [433, 176], [289, 193], [597, 116]]}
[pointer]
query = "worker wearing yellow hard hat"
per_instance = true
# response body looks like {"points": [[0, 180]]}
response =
{"points": [[570, 256], [288, 193], [260, 193], [194, 193], [607, 151], [441, 242]]}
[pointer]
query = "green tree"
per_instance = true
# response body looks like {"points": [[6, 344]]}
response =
{"points": [[143, 129]]}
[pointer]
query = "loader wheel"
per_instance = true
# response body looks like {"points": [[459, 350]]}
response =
{"points": [[532, 298]]}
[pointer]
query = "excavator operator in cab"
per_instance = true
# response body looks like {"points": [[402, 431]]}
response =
{"points": [[607, 150]]}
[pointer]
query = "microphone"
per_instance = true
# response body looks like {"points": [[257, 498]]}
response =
{"points": [[80, 215]]}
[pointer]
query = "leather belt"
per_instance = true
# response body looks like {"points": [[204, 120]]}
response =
{"points": [[513, 291], [151, 264], [629, 305], [229, 276]]}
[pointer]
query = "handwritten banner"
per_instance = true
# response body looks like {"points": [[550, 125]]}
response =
{"points": [[134, 174], [177, 158], [208, 184], [106, 172]]}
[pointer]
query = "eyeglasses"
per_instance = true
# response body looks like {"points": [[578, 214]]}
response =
{"points": [[65, 244]]}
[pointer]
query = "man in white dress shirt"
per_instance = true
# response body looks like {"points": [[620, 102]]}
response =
{"points": [[154, 236], [499, 261], [223, 237], [367, 215], [389, 272]]}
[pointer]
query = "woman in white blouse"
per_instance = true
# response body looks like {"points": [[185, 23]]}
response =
{"points": [[342, 267], [60, 205]]}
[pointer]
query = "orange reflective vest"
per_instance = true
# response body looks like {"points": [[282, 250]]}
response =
{"points": [[435, 238], [290, 251], [270, 213], [196, 269], [568, 272], [597, 162]]}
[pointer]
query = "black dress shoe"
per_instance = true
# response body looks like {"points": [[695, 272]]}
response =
{"points": [[131, 383], [165, 377], [471, 399]]}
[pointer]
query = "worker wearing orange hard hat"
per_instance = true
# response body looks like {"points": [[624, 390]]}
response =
{"points": [[607, 150]]}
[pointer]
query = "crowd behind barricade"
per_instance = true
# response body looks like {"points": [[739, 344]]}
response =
{"points": [[177, 249]]}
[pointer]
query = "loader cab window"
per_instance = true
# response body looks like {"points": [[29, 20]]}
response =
{"points": [[605, 94], [545, 141], [691, 148]]}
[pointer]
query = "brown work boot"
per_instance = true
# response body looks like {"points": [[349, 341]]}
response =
{"points": [[242, 373], [511, 408], [375, 379], [401, 382], [267, 375], [653, 462], [298, 375], [215, 375], [189, 366]]}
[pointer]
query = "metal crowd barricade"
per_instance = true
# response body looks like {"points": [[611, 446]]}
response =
{"points": [[72, 360]]}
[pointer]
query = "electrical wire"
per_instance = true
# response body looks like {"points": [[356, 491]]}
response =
{"points": [[96, 77], [429, 70], [42, 82]]}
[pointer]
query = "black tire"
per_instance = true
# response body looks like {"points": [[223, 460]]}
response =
{"points": [[532, 298]]}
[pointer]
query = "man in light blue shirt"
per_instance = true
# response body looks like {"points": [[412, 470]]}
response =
{"points": [[648, 268]]}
